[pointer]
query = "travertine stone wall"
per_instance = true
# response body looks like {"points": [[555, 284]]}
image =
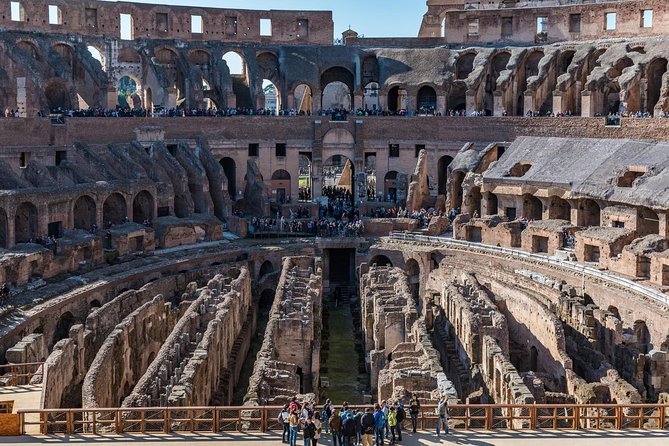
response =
{"points": [[289, 359], [127, 352], [402, 359], [187, 346]]}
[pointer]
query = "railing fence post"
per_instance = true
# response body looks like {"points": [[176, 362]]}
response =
{"points": [[166, 417], [488, 417]]}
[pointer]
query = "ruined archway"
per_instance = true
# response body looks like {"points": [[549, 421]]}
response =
{"points": [[442, 173], [58, 96], [114, 209], [559, 209], [230, 171], [457, 97], [532, 207], [412, 269], [338, 95], [84, 213], [62, 330], [464, 65], [266, 268], [649, 222], [426, 101], [304, 181], [142, 207], [390, 186], [456, 196], [281, 186], [338, 178], [98, 55], [397, 99], [272, 97], [371, 97], [127, 93], [239, 78], [25, 223], [498, 64], [380, 260], [491, 204], [590, 213], [473, 201]]}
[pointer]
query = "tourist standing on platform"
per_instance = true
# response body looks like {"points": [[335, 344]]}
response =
{"points": [[335, 426], [325, 416], [367, 425], [348, 430], [414, 410], [318, 425], [442, 412], [294, 423], [308, 431], [392, 423], [401, 416], [284, 419], [380, 423]]}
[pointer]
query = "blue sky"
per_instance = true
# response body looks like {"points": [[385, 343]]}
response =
{"points": [[373, 18]]}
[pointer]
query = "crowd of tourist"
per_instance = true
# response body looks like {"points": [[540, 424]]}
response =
{"points": [[355, 427]]}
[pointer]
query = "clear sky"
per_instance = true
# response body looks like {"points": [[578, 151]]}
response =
{"points": [[372, 18]]}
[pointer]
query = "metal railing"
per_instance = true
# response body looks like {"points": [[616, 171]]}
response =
{"points": [[264, 418], [20, 374], [582, 269]]}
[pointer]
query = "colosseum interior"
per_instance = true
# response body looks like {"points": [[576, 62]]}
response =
{"points": [[196, 213]]}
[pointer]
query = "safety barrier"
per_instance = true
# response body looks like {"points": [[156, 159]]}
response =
{"points": [[264, 418], [19, 374]]}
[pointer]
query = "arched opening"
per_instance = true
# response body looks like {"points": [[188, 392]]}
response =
{"points": [[530, 69], [534, 359], [456, 189], [435, 259], [230, 171], [85, 213], [97, 55], [426, 101], [58, 96], [380, 260], [303, 100], [654, 76], [532, 207], [304, 181], [649, 222], [142, 207], [265, 268], [397, 99], [128, 55], [559, 209], [266, 300], [590, 213], [464, 65], [338, 175], [442, 173], [390, 186], [94, 304], [336, 96], [62, 331], [3, 229], [240, 82], [371, 97], [167, 61], [114, 209], [281, 186], [29, 49], [337, 85], [272, 103], [566, 57], [499, 63], [457, 97], [370, 170], [473, 201], [127, 93], [25, 223], [492, 204], [413, 271]]}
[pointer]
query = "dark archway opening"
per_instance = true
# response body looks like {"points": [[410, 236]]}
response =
{"points": [[62, 331], [3, 229], [230, 171], [142, 207], [442, 173], [427, 101], [265, 269], [654, 76], [25, 223], [380, 260], [85, 213], [114, 209]]}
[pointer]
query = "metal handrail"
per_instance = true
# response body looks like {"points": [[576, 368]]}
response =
{"points": [[585, 270]]}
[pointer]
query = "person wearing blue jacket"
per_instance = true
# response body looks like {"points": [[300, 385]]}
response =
{"points": [[379, 424]]}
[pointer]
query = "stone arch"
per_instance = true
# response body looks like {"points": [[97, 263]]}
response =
{"points": [[268, 66], [442, 174], [30, 49], [370, 70], [201, 59], [99, 55], [114, 209], [84, 213], [337, 74], [464, 65], [266, 299], [128, 88], [497, 65], [281, 185], [303, 99], [654, 75], [142, 207], [371, 96], [534, 359], [412, 268], [564, 61], [128, 55], [426, 100], [58, 95], [236, 63], [532, 207], [67, 55], [62, 330], [397, 98], [25, 222], [3, 229], [559, 209], [266, 268], [94, 304], [305, 178], [338, 172], [230, 171], [642, 336], [381, 260], [591, 213], [272, 97], [338, 137]]}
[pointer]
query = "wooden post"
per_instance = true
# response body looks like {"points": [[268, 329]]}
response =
{"points": [[117, 422], [166, 417], [216, 420], [577, 418], [488, 417]]}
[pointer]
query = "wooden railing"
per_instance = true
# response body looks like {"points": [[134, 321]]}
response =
{"points": [[20, 374], [6, 407], [264, 418]]}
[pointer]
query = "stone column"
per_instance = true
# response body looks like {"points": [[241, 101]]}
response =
{"points": [[441, 105], [557, 103], [498, 104]]}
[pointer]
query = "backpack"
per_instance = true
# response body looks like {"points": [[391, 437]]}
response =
{"points": [[309, 430]]}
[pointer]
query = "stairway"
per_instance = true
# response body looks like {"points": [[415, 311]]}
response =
{"points": [[456, 371]]}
